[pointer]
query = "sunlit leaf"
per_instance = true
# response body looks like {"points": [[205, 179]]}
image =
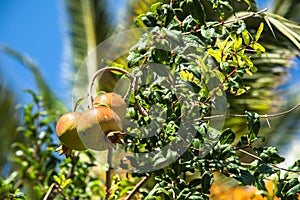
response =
{"points": [[259, 31]]}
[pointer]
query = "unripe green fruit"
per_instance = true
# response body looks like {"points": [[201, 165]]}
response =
{"points": [[114, 101], [66, 131], [94, 126]]}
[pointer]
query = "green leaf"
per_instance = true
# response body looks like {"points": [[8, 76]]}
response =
{"points": [[196, 143], [256, 46], [263, 171], [139, 22], [207, 180], [259, 31], [253, 123], [18, 195], [238, 44], [195, 70], [228, 46], [253, 69], [217, 54], [66, 183], [78, 103], [294, 190], [57, 179], [291, 187], [154, 6], [269, 154], [246, 177], [195, 197], [197, 11], [112, 63], [37, 192], [227, 137], [246, 37], [248, 61], [149, 19], [195, 182]]}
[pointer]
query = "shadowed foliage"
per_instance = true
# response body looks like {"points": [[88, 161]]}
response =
{"points": [[8, 122]]}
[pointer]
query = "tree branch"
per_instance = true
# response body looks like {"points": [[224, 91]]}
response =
{"points": [[231, 21], [100, 71], [108, 172], [51, 188], [140, 108], [272, 165], [266, 116], [138, 186]]}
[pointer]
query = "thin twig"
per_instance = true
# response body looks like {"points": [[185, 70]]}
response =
{"points": [[108, 172], [129, 75], [139, 107], [171, 3], [100, 71], [281, 113], [266, 116], [231, 21], [51, 188], [241, 18], [272, 165], [138, 186], [46, 197]]}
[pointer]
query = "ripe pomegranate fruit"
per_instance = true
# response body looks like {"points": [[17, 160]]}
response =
{"points": [[66, 130], [95, 125], [114, 101]]}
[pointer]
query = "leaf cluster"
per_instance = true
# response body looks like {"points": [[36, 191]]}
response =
{"points": [[36, 169]]}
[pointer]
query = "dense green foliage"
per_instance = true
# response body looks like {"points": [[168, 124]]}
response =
{"points": [[214, 53], [38, 167]]}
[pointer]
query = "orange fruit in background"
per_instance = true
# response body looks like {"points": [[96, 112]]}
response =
{"points": [[221, 190]]}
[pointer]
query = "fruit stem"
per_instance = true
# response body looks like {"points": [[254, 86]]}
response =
{"points": [[100, 71], [108, 172], [132, 81]]}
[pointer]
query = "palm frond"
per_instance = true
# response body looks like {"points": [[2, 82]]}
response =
{"points": [[8, 121], [89, 25], [289, 29], [48, 96], [288, 9]]}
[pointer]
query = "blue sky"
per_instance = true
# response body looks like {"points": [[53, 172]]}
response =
{"points": [[37, 29], [33, 28]]}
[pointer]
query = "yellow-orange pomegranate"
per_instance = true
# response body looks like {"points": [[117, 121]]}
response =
{"points": [[66, 130]]}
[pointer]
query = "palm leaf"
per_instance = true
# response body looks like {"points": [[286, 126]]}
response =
{"points": [[48, 96], [288, 9], [8, 121], [89, 25], [289, 29]]}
